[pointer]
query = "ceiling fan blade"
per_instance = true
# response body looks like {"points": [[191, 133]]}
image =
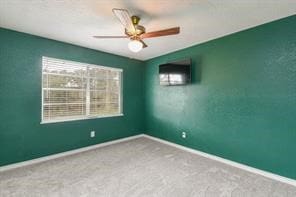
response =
{"points": [[104, 37], [124, 18], [144, 44], [164, 32]]}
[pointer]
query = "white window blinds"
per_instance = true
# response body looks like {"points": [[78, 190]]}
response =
{"points": [[72, 90]]}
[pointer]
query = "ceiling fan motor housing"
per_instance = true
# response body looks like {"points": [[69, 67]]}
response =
{"points": [[139, 29]]}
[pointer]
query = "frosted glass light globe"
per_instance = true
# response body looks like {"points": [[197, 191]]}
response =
{"points": [[135, 46]]}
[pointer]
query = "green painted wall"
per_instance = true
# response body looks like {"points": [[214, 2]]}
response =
{"points": [[22, 137], [242, 102]]}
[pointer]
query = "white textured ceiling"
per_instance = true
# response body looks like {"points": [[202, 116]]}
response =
{"points": [[76, 21]]}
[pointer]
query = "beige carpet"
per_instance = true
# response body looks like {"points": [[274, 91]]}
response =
{"points": [[140, 167]]}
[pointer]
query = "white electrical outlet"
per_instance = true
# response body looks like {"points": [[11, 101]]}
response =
{"points": [[92, 134], [183, 134]]}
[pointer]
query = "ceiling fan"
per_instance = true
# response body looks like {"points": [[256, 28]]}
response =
{"points": [[135, 32]]}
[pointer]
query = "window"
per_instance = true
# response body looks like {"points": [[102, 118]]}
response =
{"points": [[72, 91]]}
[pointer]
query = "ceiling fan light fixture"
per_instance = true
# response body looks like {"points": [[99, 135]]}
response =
{"points": [[135, 46], [135, 32]]}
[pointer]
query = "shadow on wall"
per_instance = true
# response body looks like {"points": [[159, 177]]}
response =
{"points": [[196, 70]]}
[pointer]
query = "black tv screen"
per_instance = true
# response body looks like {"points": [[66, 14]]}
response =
{"points": [[175, 73]]}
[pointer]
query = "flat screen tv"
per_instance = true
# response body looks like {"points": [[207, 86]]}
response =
{"points": [[175, 73]]}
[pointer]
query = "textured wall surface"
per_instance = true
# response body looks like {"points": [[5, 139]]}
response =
{"points": [[22, 137], [242, 102]]}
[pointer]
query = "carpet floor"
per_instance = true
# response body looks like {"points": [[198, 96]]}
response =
{"points": [[137, 168]]}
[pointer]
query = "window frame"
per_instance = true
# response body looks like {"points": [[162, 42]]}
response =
{"points": [[85, 117]]}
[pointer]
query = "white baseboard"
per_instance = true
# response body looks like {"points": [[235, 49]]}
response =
{"points": [[226, 161], [63, 154]]}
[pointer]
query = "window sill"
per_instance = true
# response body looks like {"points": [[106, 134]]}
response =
{"points": [[80, 118]]}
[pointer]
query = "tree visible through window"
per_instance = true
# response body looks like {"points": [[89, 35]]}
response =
{"points": [[72, 90]]}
